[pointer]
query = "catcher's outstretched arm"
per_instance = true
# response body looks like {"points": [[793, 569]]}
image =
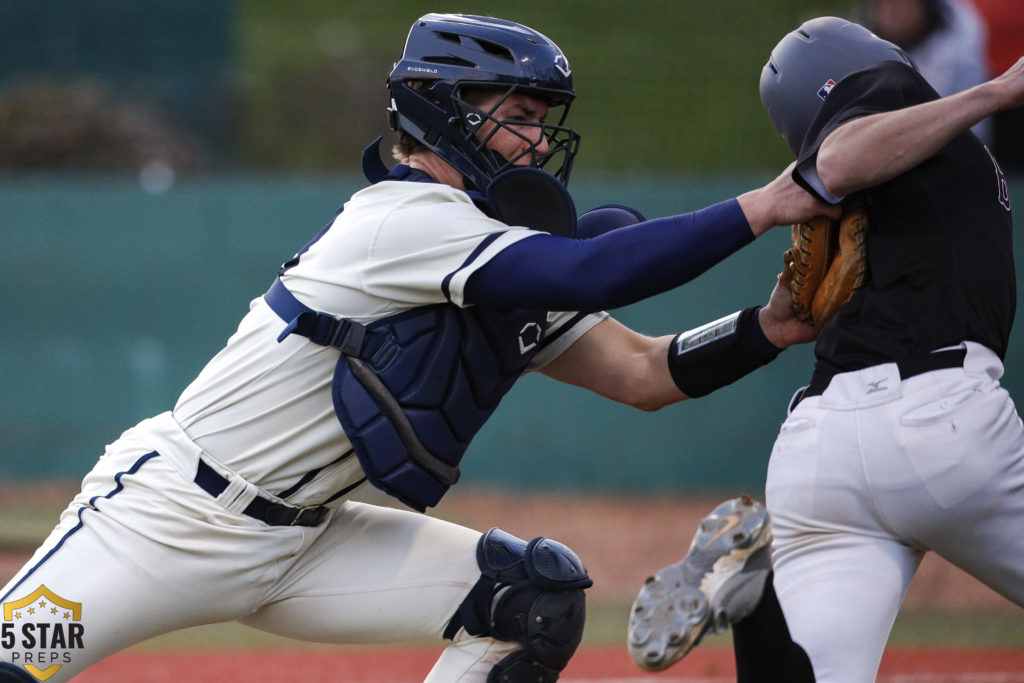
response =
{"points": [[781, 202], [620, 364], [615, 269], [652, 372], [709, 357]]}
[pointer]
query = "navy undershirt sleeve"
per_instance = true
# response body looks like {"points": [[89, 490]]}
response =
{"points": [[617, 268]]}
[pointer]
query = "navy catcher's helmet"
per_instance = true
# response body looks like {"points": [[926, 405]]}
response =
{"points": [[448, 54], [808, 62]]}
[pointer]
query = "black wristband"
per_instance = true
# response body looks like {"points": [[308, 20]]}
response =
{"points": [[709, 357]]}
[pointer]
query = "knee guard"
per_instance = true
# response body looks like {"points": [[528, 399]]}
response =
{"points": [[531, 593], [10, 673]]}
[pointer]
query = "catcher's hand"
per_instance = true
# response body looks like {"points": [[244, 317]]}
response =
{"points": [[826, 264]]}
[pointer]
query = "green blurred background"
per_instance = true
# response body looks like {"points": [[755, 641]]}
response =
{"points": [[299, 86], [663, 86], [158, 161]]}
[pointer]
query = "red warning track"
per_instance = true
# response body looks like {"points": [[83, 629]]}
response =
{"points": [[592, 665]]}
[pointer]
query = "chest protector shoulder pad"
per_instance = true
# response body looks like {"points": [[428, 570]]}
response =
{"points": [[412, 390]]}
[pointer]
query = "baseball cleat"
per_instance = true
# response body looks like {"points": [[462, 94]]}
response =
{"points": [[718, 582]]}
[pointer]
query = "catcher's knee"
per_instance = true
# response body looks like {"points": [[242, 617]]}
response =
{"points": [[10, 673], [530, 593]]}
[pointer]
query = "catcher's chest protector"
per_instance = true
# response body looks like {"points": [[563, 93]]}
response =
{"points": [[412, 390]]}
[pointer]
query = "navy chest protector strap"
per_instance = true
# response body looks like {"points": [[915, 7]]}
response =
{"points": [[412, 390]]}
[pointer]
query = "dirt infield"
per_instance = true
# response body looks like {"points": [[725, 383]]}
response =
{"points": [[622, 539]]}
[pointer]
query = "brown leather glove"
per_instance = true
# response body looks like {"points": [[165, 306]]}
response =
{"points": [[827, 263]]}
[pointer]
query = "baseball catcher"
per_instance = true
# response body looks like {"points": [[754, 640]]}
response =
{"points": [[379, 351]]}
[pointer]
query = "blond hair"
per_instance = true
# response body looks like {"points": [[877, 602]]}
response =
{"points": [[407, 145]]}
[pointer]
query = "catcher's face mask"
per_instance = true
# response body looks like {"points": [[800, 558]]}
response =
{"points": [[510, 129], [456, 54]]}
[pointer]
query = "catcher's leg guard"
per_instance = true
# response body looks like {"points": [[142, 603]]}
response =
{"points": [[14, 674], [531, 593]]}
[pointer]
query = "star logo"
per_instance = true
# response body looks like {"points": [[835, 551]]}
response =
{"points": [[40, 631]]}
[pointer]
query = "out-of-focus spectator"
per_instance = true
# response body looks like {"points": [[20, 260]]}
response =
{"points": [[1004, 20], [945, 38]]}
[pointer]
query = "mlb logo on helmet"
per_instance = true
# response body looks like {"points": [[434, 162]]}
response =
{"points": [[826, 89]]}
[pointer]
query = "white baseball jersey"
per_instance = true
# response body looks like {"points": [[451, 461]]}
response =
{"points": [[263, 409], [164, 554]]}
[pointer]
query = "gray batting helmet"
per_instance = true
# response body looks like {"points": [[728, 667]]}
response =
{"points": [[808, 62]]}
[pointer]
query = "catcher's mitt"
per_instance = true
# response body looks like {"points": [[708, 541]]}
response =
{"points": [[826, 263]]}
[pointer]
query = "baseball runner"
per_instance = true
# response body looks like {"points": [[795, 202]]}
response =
{"points": [[903, 442], [379, 350]]}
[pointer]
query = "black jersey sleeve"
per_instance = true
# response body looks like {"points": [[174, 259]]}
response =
{"points": [[886, 86]]}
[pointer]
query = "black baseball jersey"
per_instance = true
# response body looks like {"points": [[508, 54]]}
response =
{"points": [[940, 255]]}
